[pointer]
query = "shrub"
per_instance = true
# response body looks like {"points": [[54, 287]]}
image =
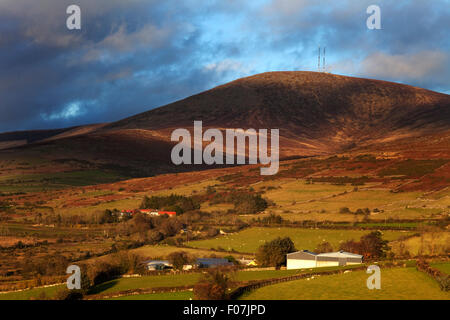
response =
{"points": [[213, 286], [108, 216], [232, 260], [249, 204], [212, 232], [344, 210], [273, 253], [55, 264], [210, 190], [178, 259], [371, 246], [413, 168], [66, 294], [324, 247], [170, 227], [102, 272], [442, 278], [174, 202], [272, 219], [444, 282], [154, 236]]}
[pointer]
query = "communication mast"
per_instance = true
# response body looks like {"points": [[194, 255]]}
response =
{"points": [[323, 69], [318, 61]]}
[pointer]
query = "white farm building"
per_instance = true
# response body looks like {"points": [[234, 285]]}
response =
{"points": [[307, 259]]}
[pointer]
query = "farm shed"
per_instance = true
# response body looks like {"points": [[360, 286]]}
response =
{"points": [[307, 259], [157, 264], [212, 262]]}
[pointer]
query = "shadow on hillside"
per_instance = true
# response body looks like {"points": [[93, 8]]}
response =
{"points": [[103, 287]]}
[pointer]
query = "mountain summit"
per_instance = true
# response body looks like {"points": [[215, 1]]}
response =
{"points": [[316, 114]]}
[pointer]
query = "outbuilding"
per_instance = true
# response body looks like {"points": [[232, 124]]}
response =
{"points": [[152, 265], [213, 262], [307, 259]]}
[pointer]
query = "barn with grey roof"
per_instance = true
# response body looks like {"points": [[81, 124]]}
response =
{"points": [[307, 259]]}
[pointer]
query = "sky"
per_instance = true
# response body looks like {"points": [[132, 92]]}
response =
{"points": [[131, 56]]}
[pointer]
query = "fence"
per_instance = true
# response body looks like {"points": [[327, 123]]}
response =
{"points": [[442, 279], [262, 283], [235, 294], [133, 292]]}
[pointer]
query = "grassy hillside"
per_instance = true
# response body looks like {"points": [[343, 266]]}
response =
{"points": [[170, 280], [396, 284], [442, 266], [35, 293], [182, 295], [250, 239]]}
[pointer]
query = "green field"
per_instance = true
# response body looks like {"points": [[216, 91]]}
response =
{"points": [[175, 280], [181, 295], [403, 225], [243, 276], [396, 284], [442, 266], [298, 190], [263, 274], [297, 201], [31, 293], [169, 280], [162, 251], [428, 243], [250, 239]]}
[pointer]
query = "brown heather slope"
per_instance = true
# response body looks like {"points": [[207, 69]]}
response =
{"points": [[316, 113]]}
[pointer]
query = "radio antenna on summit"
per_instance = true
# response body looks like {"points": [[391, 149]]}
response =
{"points": [[324, 59], [318, 61]]}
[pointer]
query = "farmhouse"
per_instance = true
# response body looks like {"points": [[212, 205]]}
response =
{"points": [[153, 212], [126, 213], [247, 262], [169, 213], [307, 259]]}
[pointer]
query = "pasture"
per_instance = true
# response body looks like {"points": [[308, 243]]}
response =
{"points": [[427, 243], [168, 280], [442, 266], [396, 284], [175, 280], [35, 293], [250, 239], [180, 295]]}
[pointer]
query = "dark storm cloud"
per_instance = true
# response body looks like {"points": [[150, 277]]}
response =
{"points": [[134, 55]]}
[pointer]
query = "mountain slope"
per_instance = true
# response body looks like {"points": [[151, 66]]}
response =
{"points": [[22, 138], [316, 113]]}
